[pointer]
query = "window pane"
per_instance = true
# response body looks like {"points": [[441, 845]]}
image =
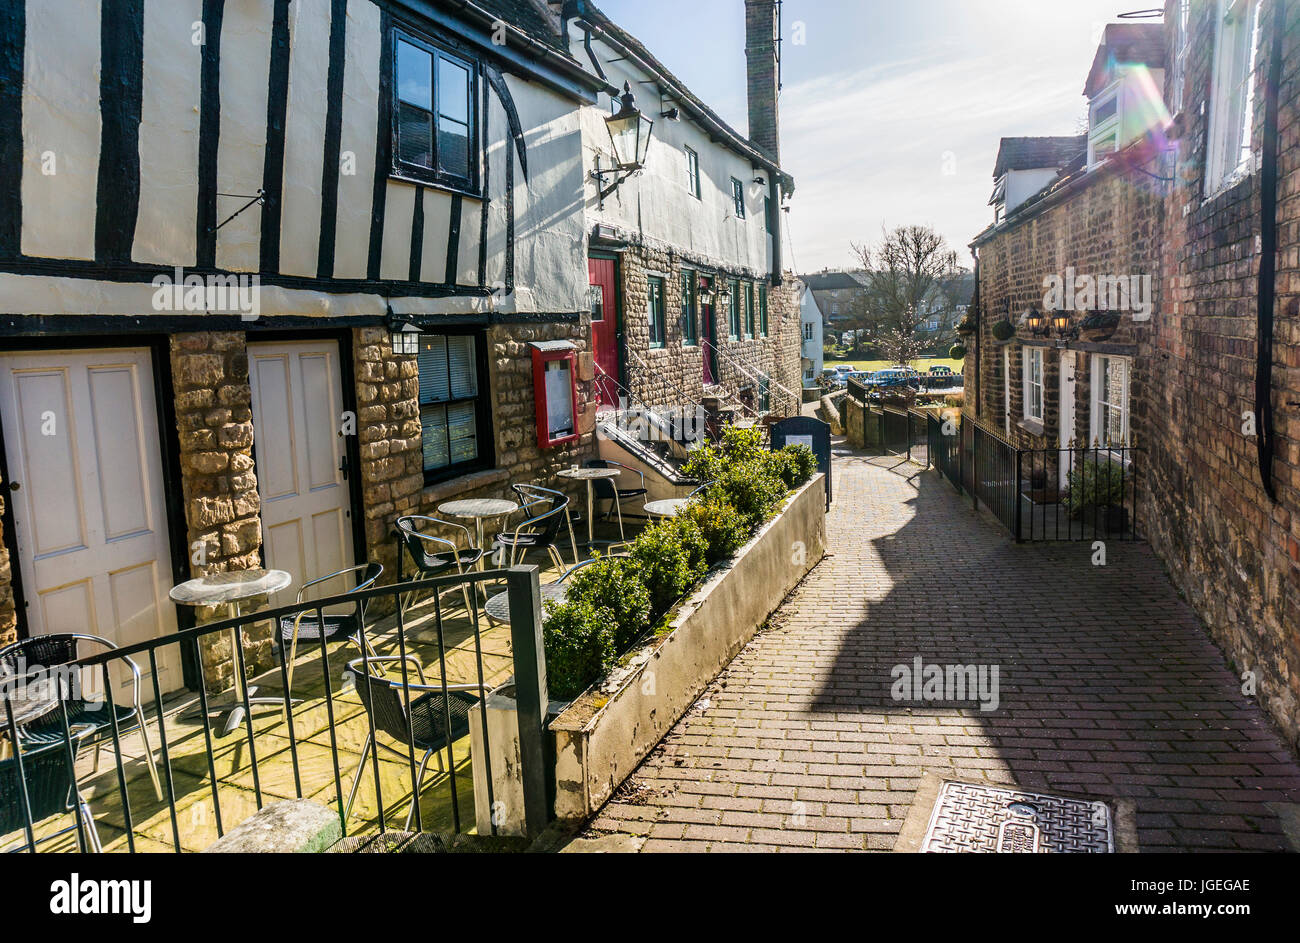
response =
{"points": [[453, 147], [461, 366], [433, 369], [462, 432], [414, 135], [414, 76], [433, 422], [453, 90]]}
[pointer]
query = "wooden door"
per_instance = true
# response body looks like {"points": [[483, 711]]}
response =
{"points": [[602, 274]]}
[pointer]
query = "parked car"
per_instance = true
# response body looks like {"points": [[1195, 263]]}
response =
{"points": [[940, 370], [896, 376]]}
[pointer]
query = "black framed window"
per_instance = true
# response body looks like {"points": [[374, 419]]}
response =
{"points": [[692, 171], [690, 321], [658, 325], [734, 313], [435, 121], [762, 309], [455, 413], [738, 197], [749, 310]]}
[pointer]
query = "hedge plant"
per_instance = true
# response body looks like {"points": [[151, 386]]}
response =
{"points": [[613, 602]]}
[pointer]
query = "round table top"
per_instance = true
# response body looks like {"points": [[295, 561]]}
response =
{"points": [[31, 699], [217, 588], [590, 474], [498, 607], [478, 507], [667, 507]]}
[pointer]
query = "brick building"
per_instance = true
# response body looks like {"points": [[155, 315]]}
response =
{"points": [[1189, 184]]}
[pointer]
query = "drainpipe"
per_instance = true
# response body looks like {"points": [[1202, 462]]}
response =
{"points": [[975, 305], [774, 220], [1267, 286]]}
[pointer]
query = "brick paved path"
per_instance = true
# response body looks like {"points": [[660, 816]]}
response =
{"points": [[1109, 688]]}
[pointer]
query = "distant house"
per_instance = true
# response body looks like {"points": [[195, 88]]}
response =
{"points": [[838, 293], [811, 327]]}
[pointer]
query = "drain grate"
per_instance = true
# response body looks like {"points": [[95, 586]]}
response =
{"points": [[970, 817]]}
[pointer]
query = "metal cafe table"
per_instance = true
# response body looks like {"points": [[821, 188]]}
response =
{"points": [[667, 507], [230, 590], [498, 607], [591, 476], [478, 510]]}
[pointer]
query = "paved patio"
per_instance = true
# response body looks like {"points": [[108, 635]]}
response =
{"points": [[1109, 688], [192, 782]]}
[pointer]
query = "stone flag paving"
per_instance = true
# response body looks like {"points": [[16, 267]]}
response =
{"points": [[1107, 687]]}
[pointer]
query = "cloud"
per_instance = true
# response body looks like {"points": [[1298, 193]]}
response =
{"points": [[869, 147]]}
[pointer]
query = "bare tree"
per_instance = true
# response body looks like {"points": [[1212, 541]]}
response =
{"points": [[902, 272]]}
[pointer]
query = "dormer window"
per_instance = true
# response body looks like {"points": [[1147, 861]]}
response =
{"points": [[1104, 125]]}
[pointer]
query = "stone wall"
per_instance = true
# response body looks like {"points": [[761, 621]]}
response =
{"points": [[8, 612], [1233, 552], [388, 424], [673, 375], [1106, 224], [214, 423]]}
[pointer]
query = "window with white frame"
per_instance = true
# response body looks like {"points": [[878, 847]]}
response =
{"points": [[1032, 365], [1178, 77], [1228, 150], [1104, 124], [1110, 379]]}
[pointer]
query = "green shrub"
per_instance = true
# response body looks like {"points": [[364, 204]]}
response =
{"points": [[672, 556], [751, 489], [615, 584], [957, 352], [579, 642], [793, 464], [722, 527], [1094, 482]]}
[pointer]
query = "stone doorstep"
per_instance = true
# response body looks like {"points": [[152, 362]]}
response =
{"points": [[912, 835]]}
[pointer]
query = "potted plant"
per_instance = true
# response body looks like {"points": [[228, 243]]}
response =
{"points": [[1099, 325], [1097, 484], [1003, 331]]}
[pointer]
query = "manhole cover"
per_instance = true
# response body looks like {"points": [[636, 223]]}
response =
{"points": [[969, 817]]}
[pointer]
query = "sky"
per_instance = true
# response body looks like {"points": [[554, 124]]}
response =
{"points": [[891, 112]]}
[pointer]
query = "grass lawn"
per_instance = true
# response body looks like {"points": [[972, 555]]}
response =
{"points": [[921, 365]]}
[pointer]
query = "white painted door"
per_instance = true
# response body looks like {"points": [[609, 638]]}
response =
{"points": [[1067, 413], [297, 438], [86, 487]]}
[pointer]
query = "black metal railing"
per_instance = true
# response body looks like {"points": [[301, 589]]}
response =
{"points": [[269, 757], [1072, 493]]}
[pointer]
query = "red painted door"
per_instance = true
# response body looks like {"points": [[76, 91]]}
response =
{"points": [[601, 273]]}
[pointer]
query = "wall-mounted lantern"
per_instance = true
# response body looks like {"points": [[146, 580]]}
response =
{"points": [[1036, 323], [1061, 325], [555, 392], [405, 337], [724, 296], [629, 134]]}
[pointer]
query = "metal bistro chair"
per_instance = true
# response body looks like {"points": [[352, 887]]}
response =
{"points": [[606, 490], [306, 624], [425, 726], [545, 511], [50, 791], [61, 649], [433, 556]]}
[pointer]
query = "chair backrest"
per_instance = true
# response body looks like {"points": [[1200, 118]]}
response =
{"points": [[383, 702], [48, 787], [545, 523], [41, 650]]}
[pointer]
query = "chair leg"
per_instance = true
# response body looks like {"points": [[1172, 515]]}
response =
{"points": [[556, 558], [415, 797], [356, 780], [148, 752], [573, 540], [618, 509], [92, 833], [98, 745]]}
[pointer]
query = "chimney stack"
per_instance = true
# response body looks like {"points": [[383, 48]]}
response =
{"points": [[762, 64]]}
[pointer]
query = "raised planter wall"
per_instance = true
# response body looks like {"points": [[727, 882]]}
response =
{"points": [[602, 737]]}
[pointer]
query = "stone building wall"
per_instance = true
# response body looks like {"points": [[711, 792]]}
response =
{"points": [[8, 611], [673, 375], [1107, 224], [388, 424], [214, 423], [1231, 551]]}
